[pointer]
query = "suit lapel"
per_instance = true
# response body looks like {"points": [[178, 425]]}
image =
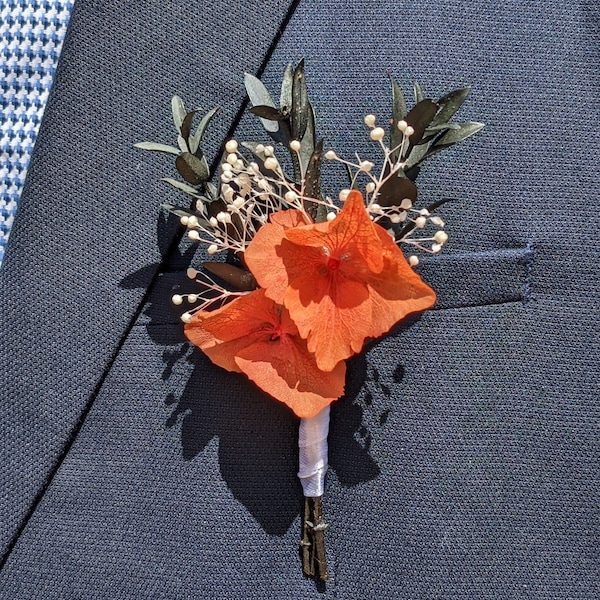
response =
{"points": [[87, 217]]}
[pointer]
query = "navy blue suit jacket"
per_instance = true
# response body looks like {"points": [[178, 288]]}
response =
{"points": [[463, 456]]}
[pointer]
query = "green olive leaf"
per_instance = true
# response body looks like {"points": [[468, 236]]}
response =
{"points": [[419, 118], [178, 111], [285, 99], [267, 112], [417, 92], [259, 96], [183, 187], [307, 146], [196, 139], [186, 126], [300, 105], [194, 170], [398, 113], [312, 182], [441, 127], [453, 136], [153, 147], [449, 104]]}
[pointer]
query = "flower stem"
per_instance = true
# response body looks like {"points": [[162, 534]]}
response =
{"points": [[314, 561], [312, 443]]}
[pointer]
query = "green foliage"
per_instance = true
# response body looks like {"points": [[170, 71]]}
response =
{"points": [[433, 129], [294, 121], [190, 161]]}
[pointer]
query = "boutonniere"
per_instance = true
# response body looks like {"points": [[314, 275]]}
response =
{"points": [[299, 281]]}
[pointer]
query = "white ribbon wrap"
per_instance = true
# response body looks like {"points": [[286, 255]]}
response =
{"points": [[312, 441]]}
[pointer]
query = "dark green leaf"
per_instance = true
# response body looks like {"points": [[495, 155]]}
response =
{"points": [[419, 118], [435, 128], [399, 104], [285, 99], [312, 182], [457, 135], [196, 139], [351, 177], [321, 213], [417, 154], [396, 189], [449, 104], [398, 113], [186, 125], [259, 96], [300, 106], [412, 173], [178, 111], [432, 207], [176, 210], [237, 278], [212, 191], [182, 187], [284, 134], [433, 144], [193, 170], [214, 208], [267, 112], [308, 145], [157, 148]]}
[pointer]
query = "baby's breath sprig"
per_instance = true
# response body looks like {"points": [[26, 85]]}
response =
{"points": [[401, 211], [415, 135], [250, 191], [212, 294]]}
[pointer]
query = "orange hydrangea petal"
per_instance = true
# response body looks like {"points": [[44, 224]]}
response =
{"points": [[342, 281], [397, 291], [325, 305], [262, 254], [288, 372], [337, 324], [351, 231], [222, 333], [256, 336]]}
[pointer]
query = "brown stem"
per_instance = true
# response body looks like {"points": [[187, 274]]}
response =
{"points": [[308, 566], [312, 544]]}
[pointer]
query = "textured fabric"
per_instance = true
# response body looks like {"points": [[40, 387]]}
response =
{"points": [[31, 35], [464, 456], [87, 183]]}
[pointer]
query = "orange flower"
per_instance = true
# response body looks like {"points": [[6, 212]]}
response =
{"points": [[342, 281], [262, 254], [255, 336]]}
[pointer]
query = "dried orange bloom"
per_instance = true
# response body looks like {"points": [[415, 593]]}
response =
{"points": [[263, 253], [255, 336], [342, 281]]}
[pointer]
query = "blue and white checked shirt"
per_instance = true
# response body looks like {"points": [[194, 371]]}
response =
{"points": [[31, 35]]}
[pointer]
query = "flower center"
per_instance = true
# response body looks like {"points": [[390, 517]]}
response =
{"points": [[276, 332], [333, 264]]}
